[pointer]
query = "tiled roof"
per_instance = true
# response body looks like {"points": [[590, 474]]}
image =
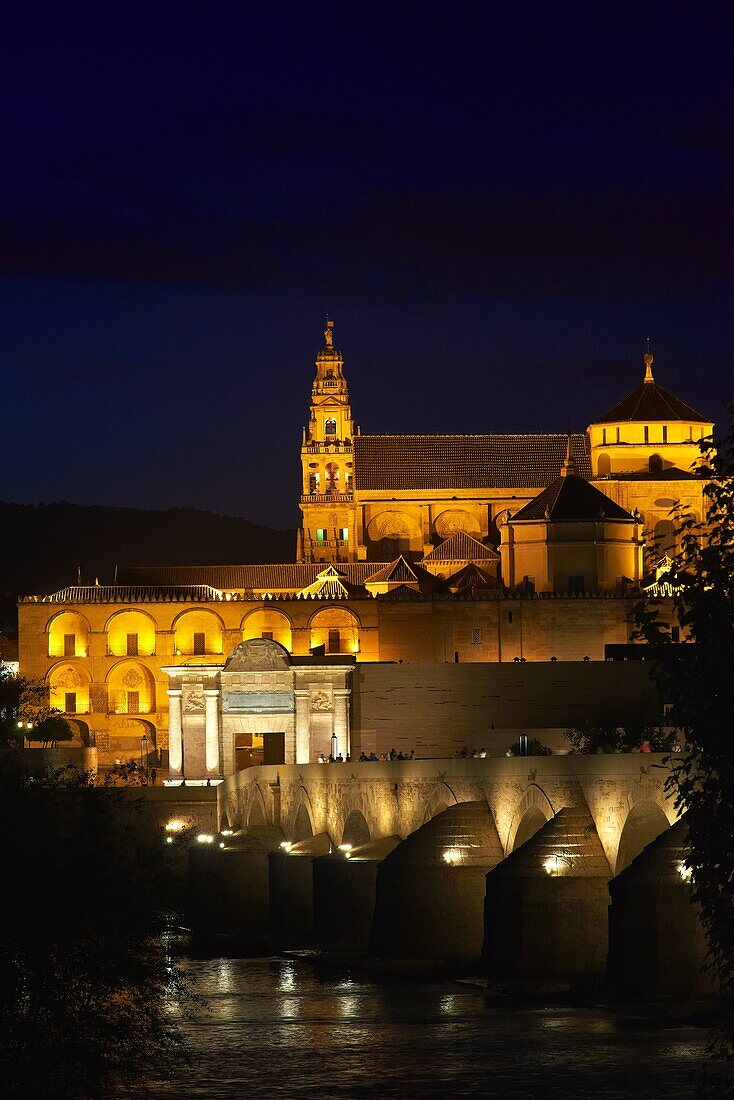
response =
{"points": [[461, 547], [383, 462], [133, 593], [402, 571], [288, 577], [471, 576], [571, 498], [651, 402], [327, 586]]}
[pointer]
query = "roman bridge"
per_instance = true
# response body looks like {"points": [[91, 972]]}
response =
{"points": [[358, 803], [508, 863]]}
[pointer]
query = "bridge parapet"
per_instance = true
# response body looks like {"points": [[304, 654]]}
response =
{"points": [[623, 792]]}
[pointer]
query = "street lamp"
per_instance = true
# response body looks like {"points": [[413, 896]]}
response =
{"points": [[144, 767]]}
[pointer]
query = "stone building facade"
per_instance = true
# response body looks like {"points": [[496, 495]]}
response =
{"points": [[414, 550]]}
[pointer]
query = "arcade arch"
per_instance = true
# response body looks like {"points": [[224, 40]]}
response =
{"points": [[268, 622], [198, 632], [68, 635], [69, 689], [131, 633], [130, 688], [335, 628]]}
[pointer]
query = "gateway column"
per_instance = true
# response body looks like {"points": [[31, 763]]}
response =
{"points": [[303, 729], [175, 739], [211, 727]]}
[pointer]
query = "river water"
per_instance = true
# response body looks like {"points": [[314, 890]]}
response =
{"points": [[276, 1027]]}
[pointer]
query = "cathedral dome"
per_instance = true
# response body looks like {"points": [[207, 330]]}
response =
{"points": [[649, 401]]}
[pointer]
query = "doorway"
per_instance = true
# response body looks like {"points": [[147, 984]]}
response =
{"points": [[273, 748]]}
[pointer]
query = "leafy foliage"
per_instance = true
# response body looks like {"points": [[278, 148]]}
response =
{"points": [[88, 988], [697, 680], [22, 701], [630, 738]]}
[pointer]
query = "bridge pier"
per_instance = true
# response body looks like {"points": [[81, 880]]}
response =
{"points": [[230, 886], [430, 889], [291, 889], [344, 893], [656, 940], [546, 903]]}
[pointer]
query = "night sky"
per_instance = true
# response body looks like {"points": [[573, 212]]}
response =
{"points": [[496, 203]]}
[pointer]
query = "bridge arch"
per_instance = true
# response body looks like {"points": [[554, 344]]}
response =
{"points": [[645, 821], [301, 824], [356, 831], [531, 813], [441, 798], [257, 815]]}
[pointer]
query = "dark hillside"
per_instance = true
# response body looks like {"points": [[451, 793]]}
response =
{"points": [[44, 546]]}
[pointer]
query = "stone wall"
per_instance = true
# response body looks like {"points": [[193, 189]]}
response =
{"points": [[438, 709]]}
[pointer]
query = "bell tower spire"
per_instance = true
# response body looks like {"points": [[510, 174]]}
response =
{"points": [[326, 461]]}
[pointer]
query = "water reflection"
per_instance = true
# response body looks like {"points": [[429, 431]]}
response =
{"points": [[280, 1028]]}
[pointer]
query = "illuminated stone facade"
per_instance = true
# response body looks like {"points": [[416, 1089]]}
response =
{"points": [[416, 550], [389, 494]]}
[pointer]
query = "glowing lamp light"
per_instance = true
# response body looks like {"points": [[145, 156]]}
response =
{"points": [[552, 865], [286, 845], [20, 725], [169, 840], [345, 848], [227, 832], [205, 838], [685, 872], [174, 826], [452, 856], [221, 844]]}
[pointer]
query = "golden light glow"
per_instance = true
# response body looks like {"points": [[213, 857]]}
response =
{"points": [[452, 856], [130, 629], [68, 636], [175, 826], [685, 872], [198, 622], [205, 838]]}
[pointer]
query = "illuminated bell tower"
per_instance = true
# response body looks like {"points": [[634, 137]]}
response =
{"points": [[328, 529]]}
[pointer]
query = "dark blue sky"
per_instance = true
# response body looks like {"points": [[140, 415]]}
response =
{"points": [[496, 203]]}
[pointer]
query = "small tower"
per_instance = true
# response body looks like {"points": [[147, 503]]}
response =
{"points": [[328, 532]]}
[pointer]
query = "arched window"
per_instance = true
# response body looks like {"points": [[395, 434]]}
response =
{"points": [[655, 464], [605, 466], [131, 689], [330, 426], [336, 629], [332, 477]]}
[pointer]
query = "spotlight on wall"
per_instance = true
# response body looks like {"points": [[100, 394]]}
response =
{"points": [[175, 826], [685, 872], [345, 848], [452, 856], [552, 865], [205, 838]]}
